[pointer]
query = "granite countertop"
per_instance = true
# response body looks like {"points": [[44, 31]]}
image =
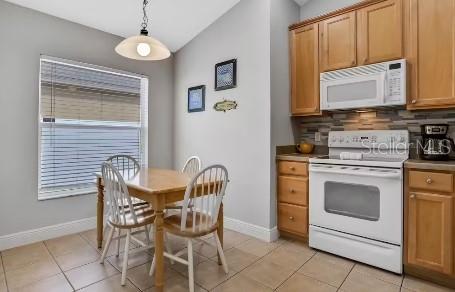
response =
{"points": [[297, 157], [430, 165]]}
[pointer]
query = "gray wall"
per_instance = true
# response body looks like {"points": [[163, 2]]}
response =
{"points": [[240, 139], [283, 13], [24, 35], [317, 7]]}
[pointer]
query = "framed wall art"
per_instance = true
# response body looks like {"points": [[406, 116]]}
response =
{"points": [[226, 75], [196, 99]]}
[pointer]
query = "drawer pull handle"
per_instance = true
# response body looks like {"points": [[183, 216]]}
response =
{"points": [[429, 181], [412, 196], [414, 101], [292, 168], [292, 190], [291, 218]]}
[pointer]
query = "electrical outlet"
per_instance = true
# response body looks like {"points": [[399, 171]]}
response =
{"points": [[317, 137]]}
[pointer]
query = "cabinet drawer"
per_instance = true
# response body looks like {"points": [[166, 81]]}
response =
{"points": [[293, 190], [293, 168], [433, 181], [293, 218]]}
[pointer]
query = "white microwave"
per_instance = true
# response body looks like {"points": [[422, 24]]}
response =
{"points": [[375, 85]]}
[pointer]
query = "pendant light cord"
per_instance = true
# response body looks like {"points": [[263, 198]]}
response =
{"points": [[145, 19]]}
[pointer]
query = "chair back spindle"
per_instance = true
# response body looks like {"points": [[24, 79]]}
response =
{"points": [[205, 192], [127, 165], [119, 200], [192, 165]]}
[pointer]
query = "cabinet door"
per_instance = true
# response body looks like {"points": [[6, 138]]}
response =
{"points": [[379, 29], [305, 70], [338, 42], [430, 51], [430, 231]]}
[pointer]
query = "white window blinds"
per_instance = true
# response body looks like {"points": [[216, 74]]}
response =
{"points": [[87, 114]]}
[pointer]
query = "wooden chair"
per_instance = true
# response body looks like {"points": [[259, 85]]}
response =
{"points": [[124, 215], [128, 167], [200, 220], [192, 165]]}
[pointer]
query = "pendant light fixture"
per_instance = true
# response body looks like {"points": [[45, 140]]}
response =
{"points": [[143, 47]]}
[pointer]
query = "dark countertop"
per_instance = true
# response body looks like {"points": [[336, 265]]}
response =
{"points": [[297, 157], [430, 165]]}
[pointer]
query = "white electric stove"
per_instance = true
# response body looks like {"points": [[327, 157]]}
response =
{"points": [[356, 197]]}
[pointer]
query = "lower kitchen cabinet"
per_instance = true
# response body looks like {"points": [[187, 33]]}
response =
{"points": [[429, 226], [430, 233], [292, 191]]}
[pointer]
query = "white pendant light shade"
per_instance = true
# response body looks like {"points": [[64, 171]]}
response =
{"points": [[142, 47]]}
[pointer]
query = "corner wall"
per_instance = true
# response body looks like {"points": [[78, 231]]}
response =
{"points": [[283, 13], [239, 139]]}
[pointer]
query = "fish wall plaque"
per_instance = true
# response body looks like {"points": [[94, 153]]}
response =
{"points": [[225, 105]]}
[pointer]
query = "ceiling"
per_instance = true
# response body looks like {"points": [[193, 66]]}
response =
{"points": [[173, 22], [301, 2]]}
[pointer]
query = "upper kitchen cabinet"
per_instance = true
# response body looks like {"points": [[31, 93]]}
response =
{"points": [[430, 52], [338, 42], [379, 32], [304, 44]]}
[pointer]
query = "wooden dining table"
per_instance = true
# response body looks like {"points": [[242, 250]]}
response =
{"points": [[159, 187]]}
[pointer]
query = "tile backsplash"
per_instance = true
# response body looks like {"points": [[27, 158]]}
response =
{"points": [[383, 119]]}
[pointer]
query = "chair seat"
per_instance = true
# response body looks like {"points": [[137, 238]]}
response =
{"points": [[172, 225], [144, 213]]}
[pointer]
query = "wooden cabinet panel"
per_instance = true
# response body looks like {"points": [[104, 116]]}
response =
{"points": [[430, 231], [338, 42], [304, 45], [292, 218], [432, 181], [293, 168], [430, 40], [379, 32], [293, 190]]}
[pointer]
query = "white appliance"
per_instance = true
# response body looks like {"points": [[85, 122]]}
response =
{"points": [[356, 197], [375, 85]]}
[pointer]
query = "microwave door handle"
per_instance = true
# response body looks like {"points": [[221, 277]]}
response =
{"points": [[360, 173]]}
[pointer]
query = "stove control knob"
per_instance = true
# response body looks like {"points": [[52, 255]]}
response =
{"points": [[341, 139], [402, 139]]}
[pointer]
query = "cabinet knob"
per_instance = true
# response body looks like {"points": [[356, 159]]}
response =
{"points": [[291, 218], [412, 196], [414, 101], [429, 180], [353, 63], [292, 190], [292, 168], [365, 60]]}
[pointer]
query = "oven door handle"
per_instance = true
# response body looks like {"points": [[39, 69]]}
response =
{"points": [[359, 173]]}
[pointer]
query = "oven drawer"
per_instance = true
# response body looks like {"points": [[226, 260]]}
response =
{"points": [[293, 218], [433, 181], [293, 190], [293, 168]]}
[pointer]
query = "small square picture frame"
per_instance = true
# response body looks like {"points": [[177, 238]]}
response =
{"points": [[226, 75], [196, 99]]}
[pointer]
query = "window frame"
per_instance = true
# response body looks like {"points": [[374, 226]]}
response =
{"points": [[143, 124]]}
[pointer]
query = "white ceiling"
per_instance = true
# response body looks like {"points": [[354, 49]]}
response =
{"points": [[301, 2], [173, 22]]}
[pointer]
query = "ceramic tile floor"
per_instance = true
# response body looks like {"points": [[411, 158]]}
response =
{"points": [[71, 263]]}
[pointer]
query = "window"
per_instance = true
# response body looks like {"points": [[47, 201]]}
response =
{"points": [[87, 114]]}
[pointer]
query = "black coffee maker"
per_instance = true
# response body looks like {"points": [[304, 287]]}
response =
{"points": [[436, 145]]}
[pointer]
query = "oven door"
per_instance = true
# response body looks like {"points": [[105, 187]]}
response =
{"points": [[362, 201], [354, 92]]}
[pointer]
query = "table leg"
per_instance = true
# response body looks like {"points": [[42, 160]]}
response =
{"points": [[159, 251], [100, 213], [220, 230]]}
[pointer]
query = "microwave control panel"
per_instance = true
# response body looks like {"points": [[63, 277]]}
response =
{"points": [[396, 85]]}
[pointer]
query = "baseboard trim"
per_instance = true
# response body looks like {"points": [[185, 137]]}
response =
{"points": [[53, 231], [44, 233], [259, 232]]}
